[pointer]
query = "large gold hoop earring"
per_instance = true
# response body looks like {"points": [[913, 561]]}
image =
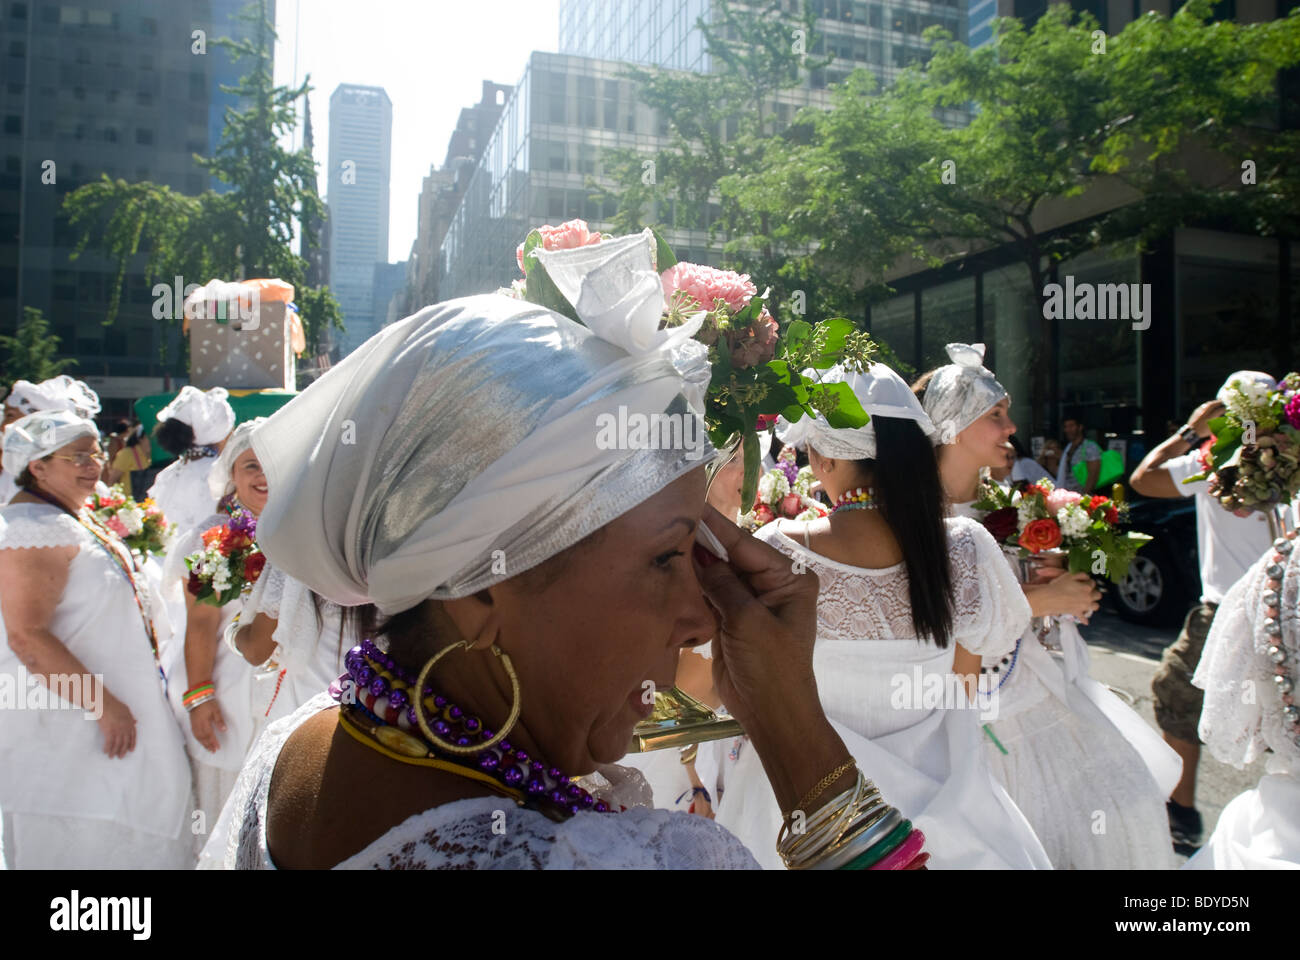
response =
{"points": [[454, 748]]}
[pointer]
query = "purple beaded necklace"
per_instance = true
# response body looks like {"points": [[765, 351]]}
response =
{"points": [[378, 688]]}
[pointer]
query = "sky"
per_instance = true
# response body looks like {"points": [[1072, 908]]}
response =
{"points": [[431, 56]]}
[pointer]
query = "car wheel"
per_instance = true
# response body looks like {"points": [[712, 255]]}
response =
{"points": [[1148, 594]]}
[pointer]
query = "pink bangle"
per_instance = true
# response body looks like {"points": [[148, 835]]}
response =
{"points": [[903, 854]]}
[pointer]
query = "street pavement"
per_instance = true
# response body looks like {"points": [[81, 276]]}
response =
{"points": [[1124, 656]]}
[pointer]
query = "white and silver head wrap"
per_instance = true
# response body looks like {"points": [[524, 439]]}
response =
{"points": [[472, 441], [57, 393], [882, 393], [1245, 377], [208, 413], [219, 476], [962, 392], [40, 434]]}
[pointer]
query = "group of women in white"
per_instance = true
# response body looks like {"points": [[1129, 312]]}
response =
{"points": [[519, 586], [145, 784]]}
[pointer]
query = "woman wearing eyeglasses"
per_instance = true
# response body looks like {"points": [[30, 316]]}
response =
{"points": [[79, 646]]}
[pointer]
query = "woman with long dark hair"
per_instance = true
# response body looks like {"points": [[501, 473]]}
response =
{"points": [[908, 602]]}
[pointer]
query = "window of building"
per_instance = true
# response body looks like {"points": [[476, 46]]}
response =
{"points": [[14, 124], [893, 323], [148, 26], [1012, 318], [947, 316], [78, 93], [18, 11], [70, 16], [17, 49], [144, 136], [146, 61], [875, 15], [198, 86], [144, 98]]}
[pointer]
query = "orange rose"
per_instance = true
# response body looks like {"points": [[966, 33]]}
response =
{"points": [[1040, 535], [211, 535]]}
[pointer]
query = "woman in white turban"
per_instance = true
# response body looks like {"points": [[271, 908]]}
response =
{"points": [[456, 473], [57, 393], [193, 428], [1088, 772], [219, 726], [79, 645], [908, 601]]}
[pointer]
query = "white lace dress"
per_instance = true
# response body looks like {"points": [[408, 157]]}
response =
{"points": [[182, 494], [1242, 720], [889, 697], [490, 833], [241, 698], [1089, 773], [67, 805]]}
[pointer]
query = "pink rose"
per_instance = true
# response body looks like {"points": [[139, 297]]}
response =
{"points": [[1057, 499], [707, 285], [117, 526], [567, 236]]}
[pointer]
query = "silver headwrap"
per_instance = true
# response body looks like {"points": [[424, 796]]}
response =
{"points": [[219, 481], [40, 434], [472, 441], [882, 393], [962, 392], [1242, 378], [57, 393]]}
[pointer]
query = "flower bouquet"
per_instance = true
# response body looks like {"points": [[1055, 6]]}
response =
{"points": [[756, 366], [1254, 461], [141, 526], [784, 492], [229, 562], [1084, 529]]}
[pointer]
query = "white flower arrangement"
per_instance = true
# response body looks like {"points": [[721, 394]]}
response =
{"points": [[772, 486], [132, 519], [1073, 520], [803, 481]]}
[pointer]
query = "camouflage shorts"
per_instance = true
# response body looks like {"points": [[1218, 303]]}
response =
{"points": [[1177, 702]]}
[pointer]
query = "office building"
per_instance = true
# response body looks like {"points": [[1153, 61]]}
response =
{"points": [[360, 149], [89, 88]]}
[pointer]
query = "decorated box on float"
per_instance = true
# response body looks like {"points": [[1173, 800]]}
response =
{"points": [[244, 336]]}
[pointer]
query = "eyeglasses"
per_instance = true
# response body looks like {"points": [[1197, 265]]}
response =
{"points": [[82, 459]]}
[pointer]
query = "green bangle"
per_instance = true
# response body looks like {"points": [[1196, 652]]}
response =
{"points": [[880, 850]]}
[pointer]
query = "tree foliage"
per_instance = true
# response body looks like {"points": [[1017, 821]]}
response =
{"points": [[243, 232], [32, 352]]}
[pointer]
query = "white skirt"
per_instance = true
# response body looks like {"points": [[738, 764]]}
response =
{"points": [[1258, 830], [34, 841]]}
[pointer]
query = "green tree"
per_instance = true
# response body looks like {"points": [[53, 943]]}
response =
{"points": [[244, 232], [32, 353]]}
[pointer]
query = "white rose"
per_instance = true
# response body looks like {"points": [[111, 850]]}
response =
{"points": [[132, 519]]}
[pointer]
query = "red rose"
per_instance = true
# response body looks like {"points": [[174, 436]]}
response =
{"points": [[1034, 488], [195, 585], [763, 514], [233, 542], [1096, 502], [791, 505], [253, 564], [765, 421], [1001, 523], [1112, 515], [1040, 535]]}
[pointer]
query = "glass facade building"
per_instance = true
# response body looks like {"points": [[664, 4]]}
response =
{"points": [[360, 154], [102, 87]]}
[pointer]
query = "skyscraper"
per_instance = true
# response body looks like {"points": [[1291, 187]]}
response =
{"points": [[360, 148], [103, 87]]}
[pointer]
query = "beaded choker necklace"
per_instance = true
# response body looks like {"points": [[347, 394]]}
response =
{"points": [[197, 453], [375, 695], [857, 499], [1277, 652]]}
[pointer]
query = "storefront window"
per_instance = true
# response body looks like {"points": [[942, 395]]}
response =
{"points": [[947, 316], [1099, 368], [893, 323], [1011, 335], [1229, 312]]}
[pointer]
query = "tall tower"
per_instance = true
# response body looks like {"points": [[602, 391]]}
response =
{"points": [[360, 147], [317, 266]]}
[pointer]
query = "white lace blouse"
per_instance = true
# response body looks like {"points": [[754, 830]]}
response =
{"points": [[490, 833]]}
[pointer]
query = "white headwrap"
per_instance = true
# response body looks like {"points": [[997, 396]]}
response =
{"points": [[882, 393], [1245, 377], [40, 434], [208, 413], [219, 480], [57, 393], [962, 392], [464, 445]]}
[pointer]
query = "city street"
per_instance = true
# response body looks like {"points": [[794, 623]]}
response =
{"points": [[1124, 656]]}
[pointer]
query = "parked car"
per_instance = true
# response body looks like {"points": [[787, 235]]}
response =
{"points": [[1165, 578]]}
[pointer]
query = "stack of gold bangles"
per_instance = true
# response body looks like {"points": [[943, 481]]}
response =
{"points": [[855, 831]]}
